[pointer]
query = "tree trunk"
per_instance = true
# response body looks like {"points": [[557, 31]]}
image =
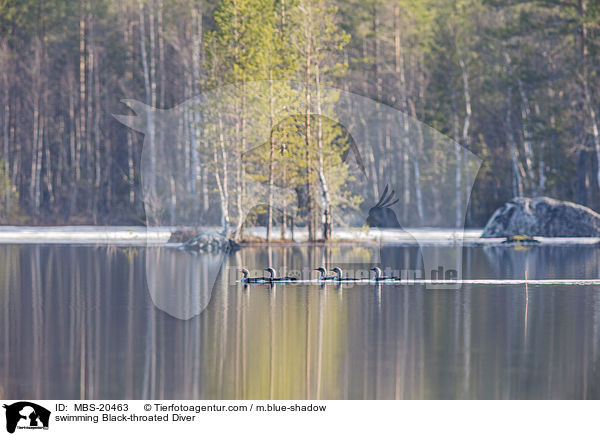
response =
{"points": [[240, 167], [284, 216], [325, 197], [5, 139], [581, 184], [149, 100], [271, 158], [196, 44], [594, 123], [307, 132], [128, 35], [89, 150], [17, 163], [49, 175], [417, 148], [417, 166], [38, 132], [82, 135], [223, 186], [95, 77], [284, 205], [541, 164], [526, 121], [517, 167], [73, 136], [465, 131], [204, 185], [161, 52], [377, 81], [457, 155], [583, 51], [406, 152], [397, 66]]}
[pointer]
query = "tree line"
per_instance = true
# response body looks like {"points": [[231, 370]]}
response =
{"points": [[514, 82]]}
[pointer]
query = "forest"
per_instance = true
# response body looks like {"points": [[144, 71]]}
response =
{"points": [[514, 82]]}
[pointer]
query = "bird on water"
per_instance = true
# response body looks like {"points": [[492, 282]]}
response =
{"points": [[379, 277], [340, 276], [272, 277], [247, 279], [322, 276]]}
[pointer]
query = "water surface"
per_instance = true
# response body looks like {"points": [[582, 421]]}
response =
{"points": [[79, 322]]}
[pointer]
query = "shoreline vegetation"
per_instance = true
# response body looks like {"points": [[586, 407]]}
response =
{"points": [[160, 236]]}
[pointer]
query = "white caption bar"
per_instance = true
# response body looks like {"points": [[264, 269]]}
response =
{"points": [[22, 417]]}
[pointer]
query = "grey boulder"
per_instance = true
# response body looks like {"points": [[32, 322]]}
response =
{"points": [[542, 216], [210, 241]]}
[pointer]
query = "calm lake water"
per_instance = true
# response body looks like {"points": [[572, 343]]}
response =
{"points": [[80, 322]]}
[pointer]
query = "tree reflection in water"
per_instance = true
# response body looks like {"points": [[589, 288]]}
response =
{"points": [[78, 322]]}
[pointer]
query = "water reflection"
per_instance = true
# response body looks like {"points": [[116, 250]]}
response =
{"points": [[79, 322], [181, 283]]}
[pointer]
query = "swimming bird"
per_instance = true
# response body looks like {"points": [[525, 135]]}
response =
{"points": [[272, 277], [339, 277], [323, 276], [379, 277], [247, 279]]}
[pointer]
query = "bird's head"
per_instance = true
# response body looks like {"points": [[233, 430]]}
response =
{"points": [[245, 272], [338, 271], [322, 271], [270, 271], [377, 271]]}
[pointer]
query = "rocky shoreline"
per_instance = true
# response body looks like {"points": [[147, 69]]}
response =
{"points": [[542, 216]]}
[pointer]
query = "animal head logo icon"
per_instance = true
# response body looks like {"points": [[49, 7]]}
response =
{"points": [[25, 414], [381, 215]]}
